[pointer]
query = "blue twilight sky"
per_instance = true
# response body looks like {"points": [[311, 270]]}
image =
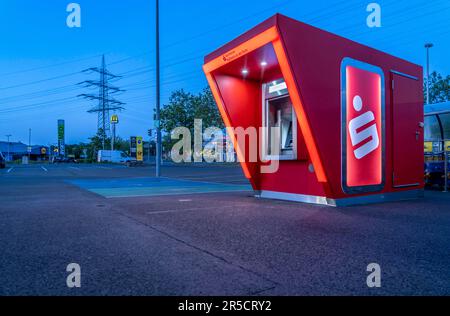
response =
{"points": [[41, 58]]}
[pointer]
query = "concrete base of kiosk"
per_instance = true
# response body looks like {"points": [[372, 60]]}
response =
{"points": [[357, 200]]}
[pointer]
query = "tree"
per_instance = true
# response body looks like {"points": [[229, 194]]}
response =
{"points": [[122, 144], [184, 107], [206, 109], [439, 88], [95, 144], [76, 150], [178, 112]]}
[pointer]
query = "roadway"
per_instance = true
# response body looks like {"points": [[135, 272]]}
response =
{"points": [[191, 240]]}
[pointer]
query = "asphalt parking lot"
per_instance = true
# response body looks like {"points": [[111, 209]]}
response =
{"points": [[199, 231]]}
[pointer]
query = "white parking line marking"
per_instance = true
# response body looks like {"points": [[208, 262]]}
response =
{"points": [[10, 169], [43, 168], [188, 210], [207, 176], [75, 168]]}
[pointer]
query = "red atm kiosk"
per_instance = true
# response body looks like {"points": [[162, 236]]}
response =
{"points": [[348, 118]]}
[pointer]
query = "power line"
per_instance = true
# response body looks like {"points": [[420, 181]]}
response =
{"points": [[145, 53], [211, 30], [34, 105], [48, 66], [398, 21], [69, 88], [52, 78], [141, 70], [39, 81], [39, 94]]}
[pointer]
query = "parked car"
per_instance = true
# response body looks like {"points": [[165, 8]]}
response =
{"points": [[2, 161], [64, 160], [70, 160], [56, 160]]}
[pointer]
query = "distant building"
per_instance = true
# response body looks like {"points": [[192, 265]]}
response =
{"points": [[17, 150]]}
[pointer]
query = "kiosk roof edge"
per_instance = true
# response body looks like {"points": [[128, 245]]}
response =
{"points": [[261, 27], [275, 21]]}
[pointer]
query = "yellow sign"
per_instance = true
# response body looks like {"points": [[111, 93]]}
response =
{"points": [[447, 145], [115, 119], [139, 149], [428, 147], [43, 151]]}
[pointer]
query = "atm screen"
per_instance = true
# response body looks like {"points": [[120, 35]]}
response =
{"points": [[279, 121]]}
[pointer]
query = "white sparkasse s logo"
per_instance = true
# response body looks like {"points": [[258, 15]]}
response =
{"points": [[361, 136]]}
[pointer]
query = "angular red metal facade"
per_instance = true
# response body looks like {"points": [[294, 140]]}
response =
{"points": [[325, 74]]}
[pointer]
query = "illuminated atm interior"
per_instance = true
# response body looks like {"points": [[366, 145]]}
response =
{"points": [[278, 113], [254, 82]]}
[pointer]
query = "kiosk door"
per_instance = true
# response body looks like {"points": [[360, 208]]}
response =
{"points": [[407, 131]]}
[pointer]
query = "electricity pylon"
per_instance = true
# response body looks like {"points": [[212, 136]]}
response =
{"points": [[106, 104]]}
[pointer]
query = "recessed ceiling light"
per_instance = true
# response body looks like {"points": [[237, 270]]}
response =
{"points": [[244, 71], [263, 63]]}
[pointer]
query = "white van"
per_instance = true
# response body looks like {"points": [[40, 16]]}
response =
{"points": [[115, 156]]}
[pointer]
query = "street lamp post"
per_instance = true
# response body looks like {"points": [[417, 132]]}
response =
{"points": [[158, 99], [428, 46]]}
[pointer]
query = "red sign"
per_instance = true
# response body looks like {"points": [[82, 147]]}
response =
{"points": [[363, 113]]}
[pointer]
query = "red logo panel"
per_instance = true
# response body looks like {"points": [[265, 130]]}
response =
{"points": [[363, 128]]}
